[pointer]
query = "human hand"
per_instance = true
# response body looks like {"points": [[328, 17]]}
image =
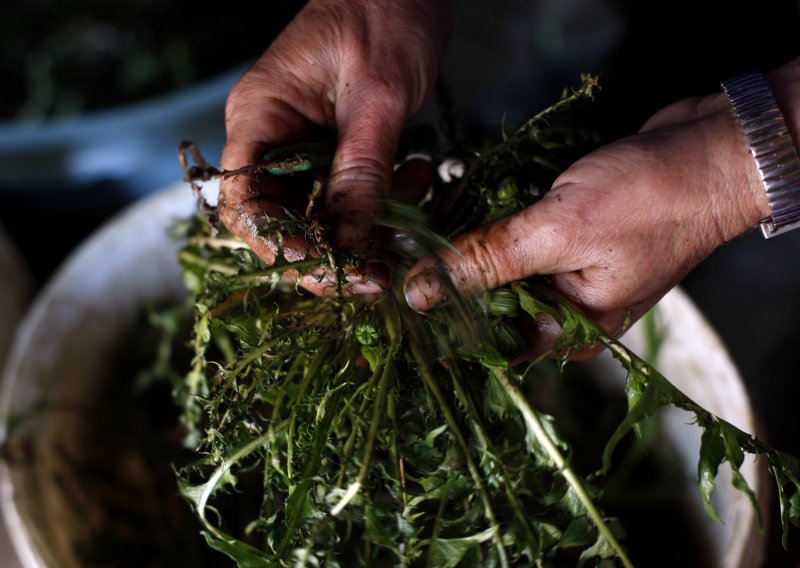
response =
{"points": [[361, 68], [621, 226]]}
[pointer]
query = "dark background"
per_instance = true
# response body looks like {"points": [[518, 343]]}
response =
{"points": [[515, 57]]}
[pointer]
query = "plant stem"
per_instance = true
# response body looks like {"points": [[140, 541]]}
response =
{"points": [[277, 269], [392, 325], [349, 446], [480, 433], [312, 464], [231, 460], [377, 415], [218, 243], [255, 354], [433, 386], [191, 258], [437, 524], [540, 434], [479, 430]]}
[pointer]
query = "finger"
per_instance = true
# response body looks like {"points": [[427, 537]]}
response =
{"points": [[248, 201], [257, 199], [249, 220], [538, 240], [543, 333], [370, 278], [256, 120], [249, 223], [253, 125], [611, 308], [370, 121], [673, 115]]}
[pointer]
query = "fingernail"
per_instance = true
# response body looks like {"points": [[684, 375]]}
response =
{"points": [[424, 291]]}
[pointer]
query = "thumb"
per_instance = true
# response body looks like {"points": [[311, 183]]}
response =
{"points": [[370, 122], [530, 242]]}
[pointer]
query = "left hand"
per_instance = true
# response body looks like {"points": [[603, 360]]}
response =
{"points": [[357, 67]]}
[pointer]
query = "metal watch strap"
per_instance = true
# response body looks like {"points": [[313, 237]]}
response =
{"points": [[771, 146]]}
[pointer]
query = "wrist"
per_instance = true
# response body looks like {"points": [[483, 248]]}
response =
{"points": [[769, 128], [737, 196]]}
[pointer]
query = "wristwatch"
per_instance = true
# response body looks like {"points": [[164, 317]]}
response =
{"points": [[772, 148]]}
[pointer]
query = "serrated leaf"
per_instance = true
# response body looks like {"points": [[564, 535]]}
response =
{"points": [[580, 532], [242, 553], [448, 552], [794, 509], [601, 549], [375, 531], [195, 493], [712, 454], [735, 457], [496, 402], [299, 505], [433, 434]]}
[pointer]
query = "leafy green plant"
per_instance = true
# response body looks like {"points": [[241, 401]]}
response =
{"points": [[352, 430]]}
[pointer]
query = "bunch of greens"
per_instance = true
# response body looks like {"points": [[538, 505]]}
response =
{"points": [[351, 430]]}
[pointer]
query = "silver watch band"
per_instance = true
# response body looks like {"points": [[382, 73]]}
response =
{"points": [[771, 146]]}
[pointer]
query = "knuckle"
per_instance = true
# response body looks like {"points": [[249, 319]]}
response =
{"points": [[387, 96], [674, 113], [249, 87], [357, 176], [269, 88], [481, 268]]}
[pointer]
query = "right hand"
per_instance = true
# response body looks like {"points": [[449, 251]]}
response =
{"points": [[359, 67], [621, 226]]}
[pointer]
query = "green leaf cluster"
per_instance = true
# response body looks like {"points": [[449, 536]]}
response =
{"points": [[341, 431]]}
